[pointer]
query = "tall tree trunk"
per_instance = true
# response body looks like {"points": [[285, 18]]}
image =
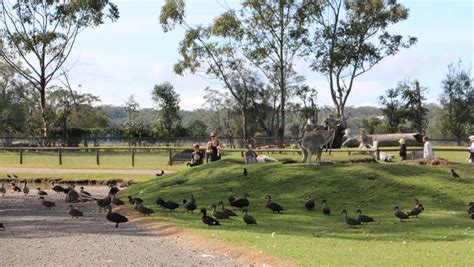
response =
{"points": [[281, 131], [44, 115]]}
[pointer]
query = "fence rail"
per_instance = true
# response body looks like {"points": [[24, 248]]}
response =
{"points": [[170, 150]]}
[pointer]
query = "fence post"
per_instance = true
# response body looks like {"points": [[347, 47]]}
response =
{"points": [[60, 155], [377, 151], [170, 157], [349, 152], [97, 160], [21, 156], [133, 157]]}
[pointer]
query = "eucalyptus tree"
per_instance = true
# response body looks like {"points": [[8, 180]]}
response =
{"points": [[167, 101], [41, 35], [350, 38]]}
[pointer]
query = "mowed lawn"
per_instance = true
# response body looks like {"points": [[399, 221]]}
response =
{"points": [[441, 236]]}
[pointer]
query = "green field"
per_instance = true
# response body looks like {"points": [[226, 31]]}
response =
{"points": [[441, 236]]}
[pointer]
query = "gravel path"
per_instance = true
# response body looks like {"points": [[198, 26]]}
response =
{"points": [[44, 170], [38, 237]]}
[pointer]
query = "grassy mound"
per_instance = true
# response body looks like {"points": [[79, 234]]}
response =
{"points": [[311, 238]]}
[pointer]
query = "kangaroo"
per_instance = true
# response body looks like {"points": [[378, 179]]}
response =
{"points": [[314, 140]]}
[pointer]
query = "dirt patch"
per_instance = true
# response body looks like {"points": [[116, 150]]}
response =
{"points": [[430, 161], [189, 238], [360, 160]]}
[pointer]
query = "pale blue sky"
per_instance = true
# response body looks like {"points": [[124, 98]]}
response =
{"points": [[133, 54]]}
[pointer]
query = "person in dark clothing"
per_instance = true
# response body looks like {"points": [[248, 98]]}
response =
{"points": [[197, 157], [214, 148], [403, 149]]}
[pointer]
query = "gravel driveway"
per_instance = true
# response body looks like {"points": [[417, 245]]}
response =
{"points": [[38, 237]]}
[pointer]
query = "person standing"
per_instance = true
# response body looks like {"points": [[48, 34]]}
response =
{"points": [[471, 150], [214, 148], [403, 149], [427, 148]]}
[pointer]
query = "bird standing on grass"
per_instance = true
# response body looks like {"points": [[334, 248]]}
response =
{"points": [[75, 213], [226, 211], [455, 175], [399, 214], [190, 205], [274, 207], [169, 205], [240, 202], [143, 210], [350, 221], [248, 219], [218, 214], [246, 173], [207, 219], [309, 203], [416, 211], [326, 209], [364, 218], [115, 217], [134, 200]]}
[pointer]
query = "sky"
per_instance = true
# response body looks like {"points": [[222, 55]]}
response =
{"points": [[133, 54]]}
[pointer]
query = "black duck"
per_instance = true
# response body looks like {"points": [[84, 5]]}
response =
{"points": [[309, 203], [160, 173], [134, 200], [416, 211], [399, 214], [15, 188], [75, 213], [190, 205], [218, 214], [455, 175], [207, 219], [104, 203], [169, 205], [84, 193], [117, 201], [41, 192], [113, 190], [350, 221], [419, 205], [59, 189], [364, 218], [274, 207], [227, 211], [115, 217], [26, 190], [248, 219], [241, 202], [3, 190], [47, 204], [2, 226], [143, 210], [326, 209], [246, 173]]}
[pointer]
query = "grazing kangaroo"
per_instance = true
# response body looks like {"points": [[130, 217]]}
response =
{"points": [[314, 141]]}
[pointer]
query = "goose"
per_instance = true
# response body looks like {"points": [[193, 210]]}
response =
{"points": [[143, 210], [241, 202], [326, 209], [75, 213], [190, 205], [399, 214], [274, 207], [364, 218], [3, 191], [169, 205], [26, 190], [350, 221], [208, 220], [227, 211], [41, 192], [134, 200], [416, 211], [15, 188], [247, 218], [104, 203], [218, 214], [115, 217], [47, 204], [309, 203]]}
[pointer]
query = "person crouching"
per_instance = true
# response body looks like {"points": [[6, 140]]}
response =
{"points": [[197, 157]]}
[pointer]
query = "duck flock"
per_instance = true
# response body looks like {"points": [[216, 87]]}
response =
{"points": [[219, 212]]}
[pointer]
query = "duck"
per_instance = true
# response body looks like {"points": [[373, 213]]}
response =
{"points": [[117, 201], [15, 188], [207, 219], [274, 207], [75, 213], [418, 204], [309, 203], [364, 218], [41, 192], [399, 214], [218, 214], [26, 190], [103, 203], [470, 208], [2, 226], [455, 175], [246, 173], [115, 217], [350, 221], [241, 202], [134, 200], [160, 173], [231, 197], [3, 191], [169, 205], [416, 211], [84, 193], [248, 219], [143, 210], [227, 211], [190, 205], [47, 204], [113, 190], [326, 209], [59, 189]]}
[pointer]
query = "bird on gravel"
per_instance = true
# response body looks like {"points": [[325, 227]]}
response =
{"points": [[399, 214], [113, 190], [274, 207], [103, 203], [3, 191], [41, 192], [207, 219], [190, 205], [143, 210], [248, 219], [160, 173], [2, 226], [115, 217], [350, 221], [246, 173], [455, 175], [309, 203], [226, 211], [117, 201], [59, 189], [47, 204], [75, 213], [364, 218], [26, 190], [15, 188], [169, 205], [326, 209], [84, 193]]}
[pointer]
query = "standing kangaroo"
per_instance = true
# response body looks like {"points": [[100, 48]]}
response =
{"points": [[314, 140]]}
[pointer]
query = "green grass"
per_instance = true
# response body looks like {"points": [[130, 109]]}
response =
{"points": [[441, 236]]}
